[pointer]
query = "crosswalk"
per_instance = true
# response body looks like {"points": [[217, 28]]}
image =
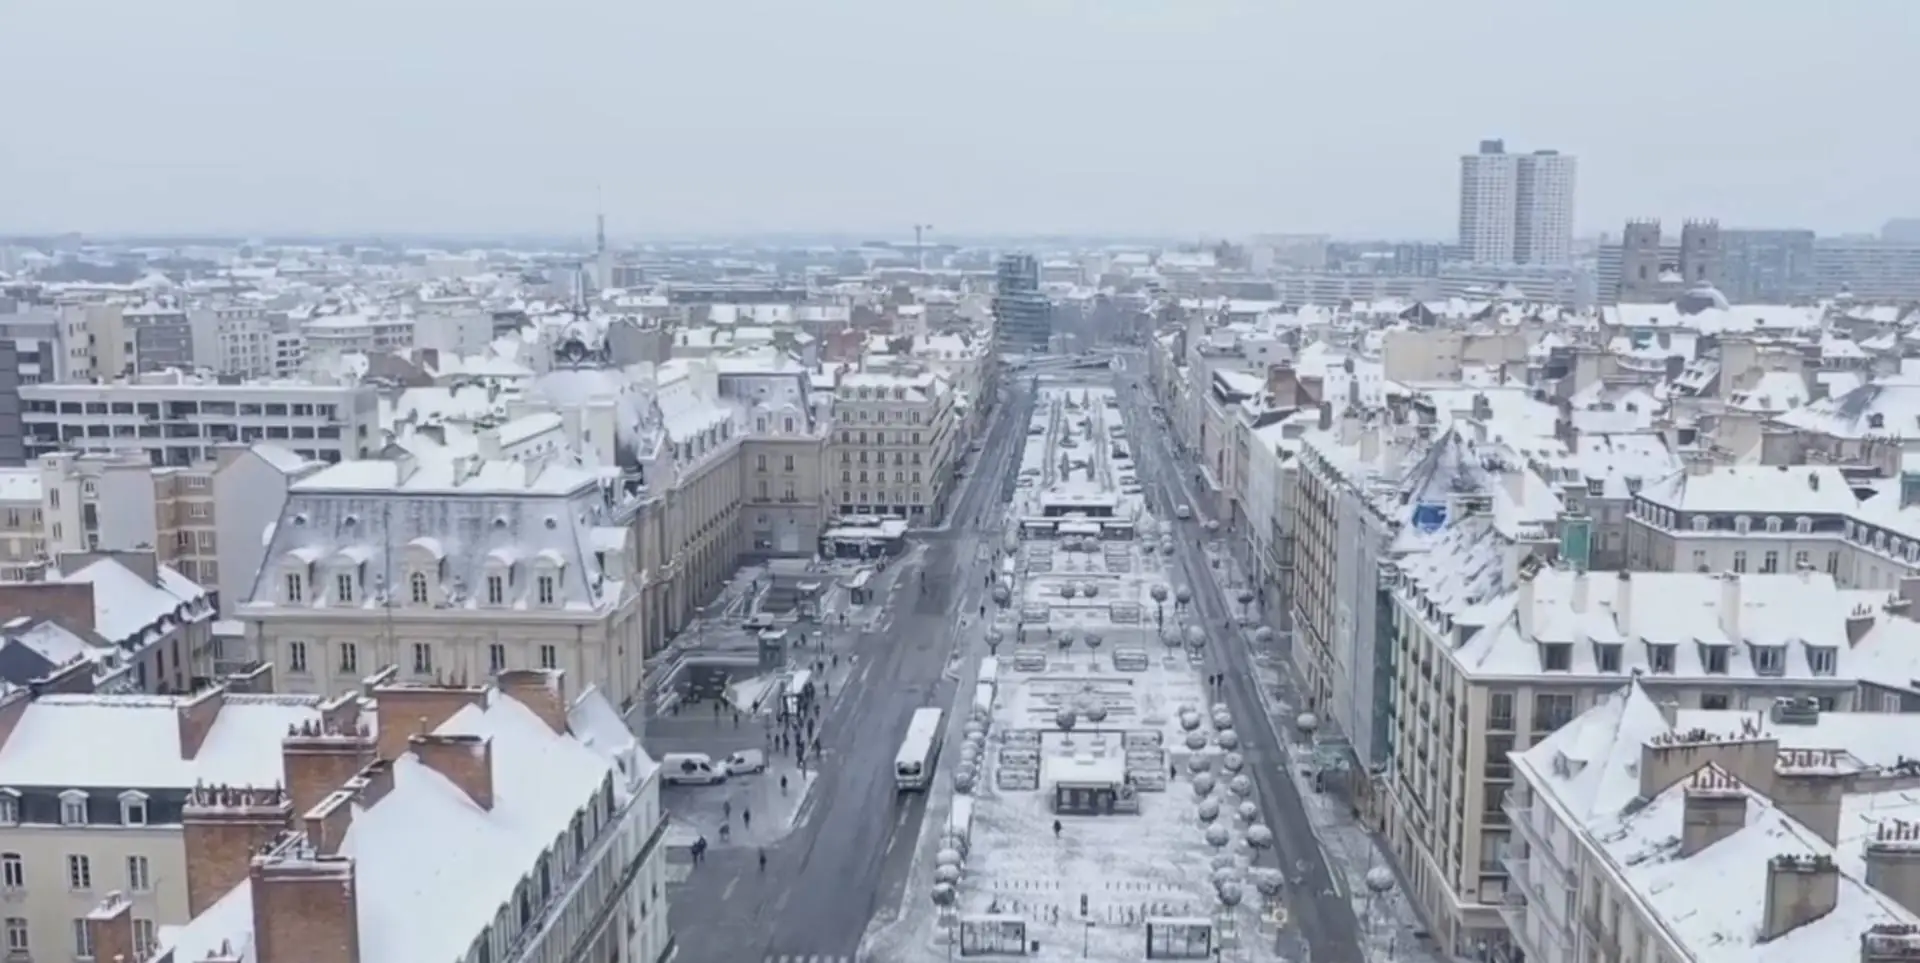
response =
{"points": [[807, 958]]}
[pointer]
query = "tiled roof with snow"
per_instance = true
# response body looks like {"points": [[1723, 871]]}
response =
{"points": [[84, 741]]}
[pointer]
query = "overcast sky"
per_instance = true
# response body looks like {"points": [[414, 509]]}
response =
{"points": [[1189, 117]]}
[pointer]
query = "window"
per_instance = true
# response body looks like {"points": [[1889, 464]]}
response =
{"points": [[1773, 524], [1716, 658], [349, 657], [1551, 711], [343, 586], [1802, 562], [1739, 561], [13, 871], [82, 939], [1770, 562], [422, 657], [1607, 656], [296, 587], [1660, 657], [1699, 523], [16, 934], [1556, 656], [139, 874], [1714, 701], [1742, 524], [79, 872], [496, 590], [1822, 660], [417, 585], [297, 656], [143, 936], [496, 657], [546, 588], [133, 809], [73, 808], [1699, 559], [1803, 524], [1833, 563], [1769, 659], [9, 808], [789, 463], [549, 657]]}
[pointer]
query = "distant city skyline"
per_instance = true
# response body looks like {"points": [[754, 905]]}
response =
{"points": [[989, 117]]}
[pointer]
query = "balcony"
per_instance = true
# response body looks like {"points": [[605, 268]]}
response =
{"points": [[1513, 912]]}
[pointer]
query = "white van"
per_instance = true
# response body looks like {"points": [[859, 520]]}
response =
{"points": [[690, 769]]}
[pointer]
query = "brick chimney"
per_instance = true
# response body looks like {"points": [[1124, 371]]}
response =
{"points": [[326, 824], [196, 718], [371, 784], [1808, 784], [1800, 889], [1893, 862], [404, 711], [318, 759], [223, 827], [110, 930], [542, 690], [1714, 808], [465, 761], [1890, 943], [306, 907]]}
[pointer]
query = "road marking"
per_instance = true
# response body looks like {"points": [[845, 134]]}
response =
{"points": [[727, 894]]}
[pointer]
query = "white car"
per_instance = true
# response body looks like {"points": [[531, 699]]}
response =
{"points": [[746, 762], [1182, 512]]}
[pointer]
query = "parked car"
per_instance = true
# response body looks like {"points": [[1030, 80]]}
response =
{"points": [[690, 769]]}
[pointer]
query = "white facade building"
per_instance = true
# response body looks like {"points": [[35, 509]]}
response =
{"points": [[1516, 208], [177, 420]]}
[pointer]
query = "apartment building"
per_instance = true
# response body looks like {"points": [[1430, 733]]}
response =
{"points": [[333, 334], [250, 487], [245, 339], [23, 537], [557, 795], [1652, 833], [147, 828], [96, 792], [782, 456], [455, 567], [1784, 518], [123, 611], [160, 333], [177, 420], [1493, 651], [894, 447], [121, 501]]}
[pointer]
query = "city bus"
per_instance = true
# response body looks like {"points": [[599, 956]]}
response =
{"points": [[919, 751]]}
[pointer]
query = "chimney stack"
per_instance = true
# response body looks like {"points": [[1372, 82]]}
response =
{"points": [[222, 828], [1893, 862], [466, 761], [404, 711], [317, 758], [1800, 889], [544, 691], [1890, 943], [1623, 605], [1581, 592], [1730, 602], [1809, 785], [1714, 808], [326, 824], [196, 718], [110, 930], [306, 907]]}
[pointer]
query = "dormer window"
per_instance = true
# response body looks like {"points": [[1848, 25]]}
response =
{"points": [[1823, 660], [133, 808], [1769, 659], [1596, 487], [1742, 524], [1606, 656], [548, 591], [343, 586], [73, 808], [1803, 524], [496, 589], [296, 587], [1700, 522], [1714, 657], [1660, 657], [1556, 656], [418, 589], [1773, 524], [9, 807]]}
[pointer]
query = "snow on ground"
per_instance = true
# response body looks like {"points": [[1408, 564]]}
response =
{"points": [[1127, 866]]}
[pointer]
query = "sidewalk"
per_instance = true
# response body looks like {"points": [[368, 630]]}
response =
{"points": [[1389, 923]]}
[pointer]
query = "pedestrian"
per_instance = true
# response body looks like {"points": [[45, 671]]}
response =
{"points": [[1056, 829], [783, 785], [826, 690], [763, 860], [736, 719], [716, 709], [836, 660], [726, 808], [746, 817]]}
